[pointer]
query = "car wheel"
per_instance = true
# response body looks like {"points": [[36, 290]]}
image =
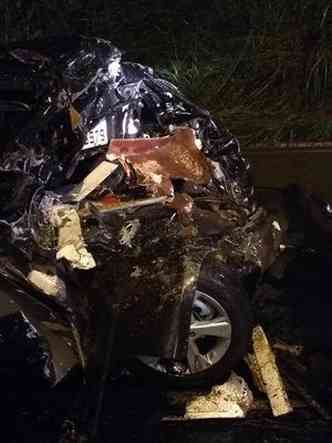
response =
{"points": [[220, 329]]}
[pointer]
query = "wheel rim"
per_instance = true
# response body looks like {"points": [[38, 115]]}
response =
{"points": [[209, 340]]}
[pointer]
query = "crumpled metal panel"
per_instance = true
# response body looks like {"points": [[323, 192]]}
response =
{"points": [[158, 161], [39, 337], [142, 270]]}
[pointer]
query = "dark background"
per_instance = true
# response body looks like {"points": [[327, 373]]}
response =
{"points": [[264, 66]]}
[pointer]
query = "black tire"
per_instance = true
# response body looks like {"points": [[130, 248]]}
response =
{"points": [[222, 284]]}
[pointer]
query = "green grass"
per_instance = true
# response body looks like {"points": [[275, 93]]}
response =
{"points": [[263, 66]]}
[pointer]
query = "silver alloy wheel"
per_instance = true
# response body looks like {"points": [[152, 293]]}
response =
{"points": [[210, 338]]}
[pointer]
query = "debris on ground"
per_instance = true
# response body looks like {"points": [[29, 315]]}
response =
{"points": [[269, 374], [232, 399], [281, 346]]}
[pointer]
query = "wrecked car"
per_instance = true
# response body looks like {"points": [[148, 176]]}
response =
{"points": [[128, 223]]}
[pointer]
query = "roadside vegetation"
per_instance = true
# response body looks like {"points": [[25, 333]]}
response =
{"points": [[263, 66]]}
